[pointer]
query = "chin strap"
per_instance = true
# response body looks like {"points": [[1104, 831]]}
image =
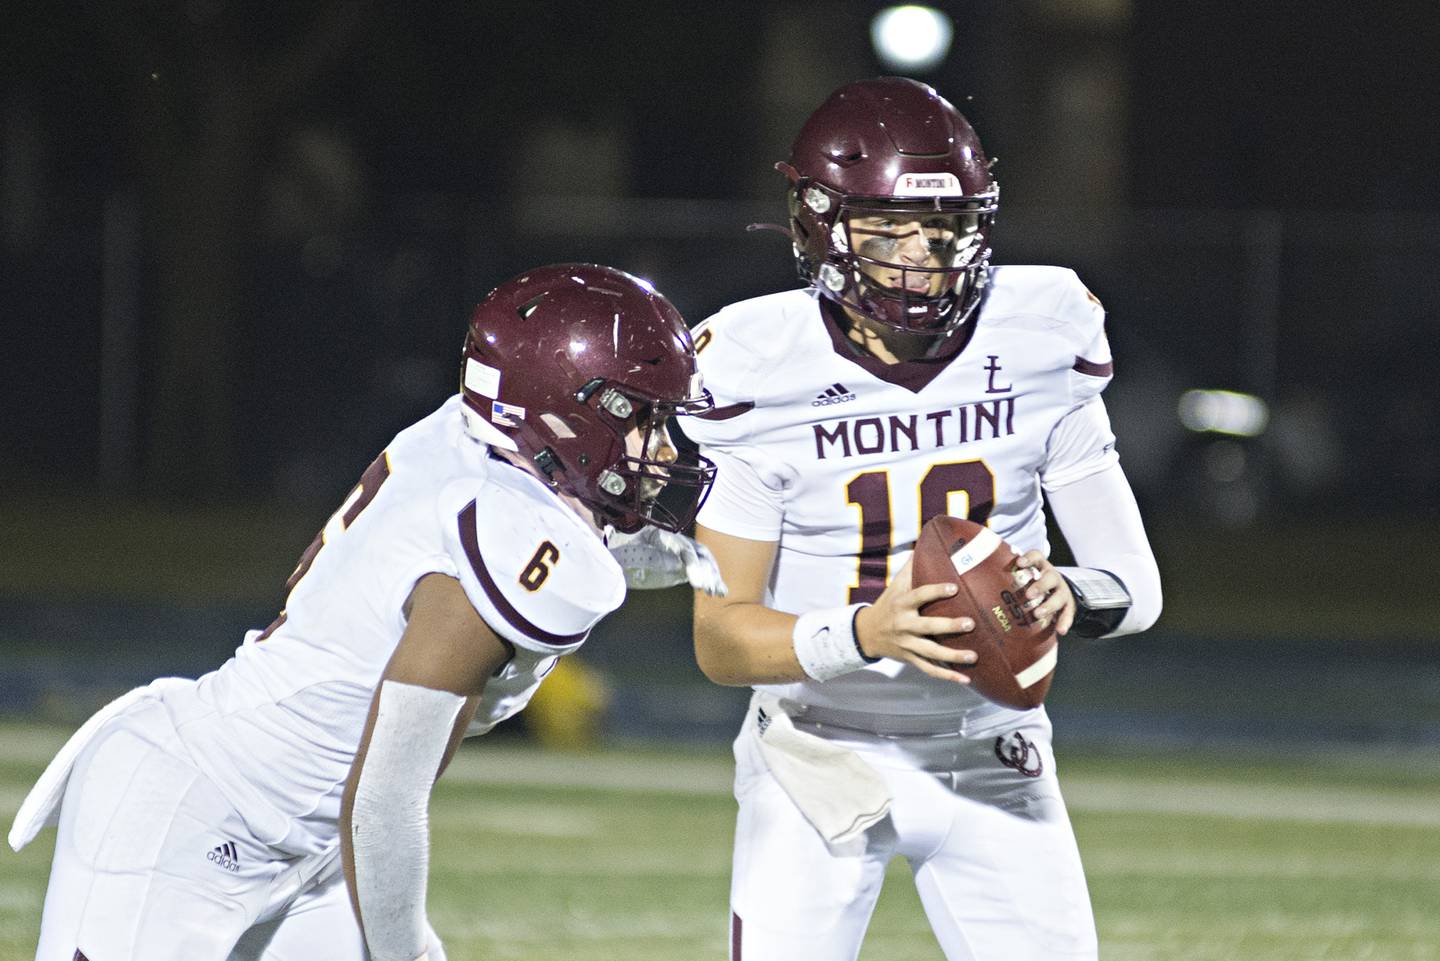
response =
{"points": [[777, 228]]}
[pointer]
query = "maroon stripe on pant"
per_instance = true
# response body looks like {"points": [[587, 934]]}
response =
{"points": [[79, 956], [734, 936]]}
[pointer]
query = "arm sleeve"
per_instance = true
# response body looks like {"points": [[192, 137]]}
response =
{"points": [[1101, 523], [741, 501], [389, 822]]}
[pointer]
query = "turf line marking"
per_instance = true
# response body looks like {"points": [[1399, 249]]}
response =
{"points": [[1323, 804], [708, 773]]}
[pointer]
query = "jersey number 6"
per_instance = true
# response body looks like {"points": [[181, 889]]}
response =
{"points": [[538, 569], [870, 492]]}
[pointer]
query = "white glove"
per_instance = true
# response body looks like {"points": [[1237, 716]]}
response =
{"points": [[654, 558]]}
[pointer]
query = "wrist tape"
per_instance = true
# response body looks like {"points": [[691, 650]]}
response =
{"points": [[825, 643]]}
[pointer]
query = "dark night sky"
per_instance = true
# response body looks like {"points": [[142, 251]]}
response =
{"points": [[1314, 110], [1314, 106], [434, 92], [1289, 106]]}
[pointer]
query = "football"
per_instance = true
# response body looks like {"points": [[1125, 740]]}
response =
{"points": [[1016, 656]]}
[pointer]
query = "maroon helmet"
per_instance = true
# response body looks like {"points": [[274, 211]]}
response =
{"points": [[562, 363], [880, 161]]}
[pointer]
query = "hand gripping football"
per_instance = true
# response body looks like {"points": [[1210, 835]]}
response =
{"points": [[1016, 656]]}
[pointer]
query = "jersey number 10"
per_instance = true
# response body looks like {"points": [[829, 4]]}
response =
{"points": [[870, 492]]}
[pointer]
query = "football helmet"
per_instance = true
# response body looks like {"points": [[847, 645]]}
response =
{"points": [[577, 368], [881, 162]]}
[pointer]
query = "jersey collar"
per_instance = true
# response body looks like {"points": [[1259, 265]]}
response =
{"points": [[913, 375]]}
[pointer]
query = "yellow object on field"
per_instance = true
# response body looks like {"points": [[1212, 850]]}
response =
{"points": [[569, 708]]}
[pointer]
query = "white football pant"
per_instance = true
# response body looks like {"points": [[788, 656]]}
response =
{"points": [[151, 863], [989, 842]]}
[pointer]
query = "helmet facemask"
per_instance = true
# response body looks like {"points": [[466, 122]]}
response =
{"points": [[649, 479], [917, 267]]}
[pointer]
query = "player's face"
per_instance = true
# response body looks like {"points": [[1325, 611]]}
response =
{"points": [[655, 449], [902, 251]]}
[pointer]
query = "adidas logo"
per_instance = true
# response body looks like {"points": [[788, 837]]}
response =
{"points": [[834, 394], [226, 857]]}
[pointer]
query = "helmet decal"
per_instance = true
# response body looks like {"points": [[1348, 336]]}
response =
{"points": [[943, 184], [482, 378], [506, 415], [557, 426]]}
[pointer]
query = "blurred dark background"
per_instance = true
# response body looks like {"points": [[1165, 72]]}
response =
{"points": [[238, 244]]}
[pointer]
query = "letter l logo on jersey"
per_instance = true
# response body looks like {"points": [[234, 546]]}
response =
{"points": [[994, 368]]}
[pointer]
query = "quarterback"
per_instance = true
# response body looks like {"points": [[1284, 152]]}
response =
{"points": [[276, 808], [911, 378]]}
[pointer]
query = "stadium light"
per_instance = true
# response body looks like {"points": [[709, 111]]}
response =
{"points": [[910, 37], [1223, 412]]}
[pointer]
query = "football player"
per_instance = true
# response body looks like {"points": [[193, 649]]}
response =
{"points": [[227, 817], [909, 379]]}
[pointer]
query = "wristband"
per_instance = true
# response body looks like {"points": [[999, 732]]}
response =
{"points": [[825, 643], [1101, 600]]}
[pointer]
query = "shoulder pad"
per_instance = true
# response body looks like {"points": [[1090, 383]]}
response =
{"points": [[1085, 323], [1053, 302], [734, 349], [533, 570], [1053, 297]]}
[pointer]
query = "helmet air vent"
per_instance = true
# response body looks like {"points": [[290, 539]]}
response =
{"points": [[846, 152]]}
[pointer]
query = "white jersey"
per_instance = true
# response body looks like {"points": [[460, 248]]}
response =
{"points": [[277, 726], [841, 459]]}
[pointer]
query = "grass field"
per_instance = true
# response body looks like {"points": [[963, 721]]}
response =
{"points": [[542, 856]]}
